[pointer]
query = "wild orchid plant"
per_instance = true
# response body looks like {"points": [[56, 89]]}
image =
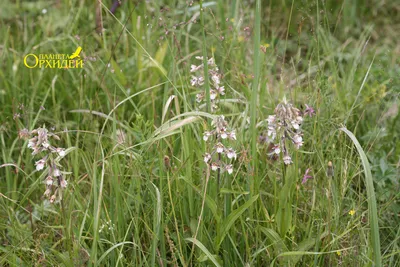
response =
{"points": [[215, 83], [219, 133], [284, 127], [221, 130], [40, 142]]}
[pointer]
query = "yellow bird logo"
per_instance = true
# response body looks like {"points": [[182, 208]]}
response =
{"points": [[76, 53]]}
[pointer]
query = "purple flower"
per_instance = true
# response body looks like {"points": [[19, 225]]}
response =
{"points": [[306, 176], [309, 110]]}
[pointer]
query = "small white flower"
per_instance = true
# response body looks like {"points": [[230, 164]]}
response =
{"points": [[194, 68], [199, 97], [206, 135], [223, 133], [229, 168], [287, 159], [61, 152], [271, 132], [271, 119], [207, 157], [277, 149], [220, 148], [200, 82], [232, 135], [49, 180], [47, 192], [298, 141], [56, 172], [45, 144], [221, 90], [40, 164], [63, 183], [214, 166], [231, 153], [32, 142], [297, 138], [213, 94], [215, 78], [193, 81]]}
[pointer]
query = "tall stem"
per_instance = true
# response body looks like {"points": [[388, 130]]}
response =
{"points": [[205, 60], [68, 243], [254, 94]]}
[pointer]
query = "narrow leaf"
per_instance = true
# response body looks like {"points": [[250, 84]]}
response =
{"points": [[204, 249], [230, 220], [373, 213]]}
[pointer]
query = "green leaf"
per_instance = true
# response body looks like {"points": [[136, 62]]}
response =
{"points": [[156, 224], [112, 248], [230, 191], [204, 249], [209, 201], [302, 253], [303, 246], [373, 213], [230, 220], [276, 240], [284, 214], [161, 52], [118, 72]]}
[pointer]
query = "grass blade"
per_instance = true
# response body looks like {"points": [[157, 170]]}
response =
{"points": [[112, 248], [230, 220], [156, 224], [302, 253], [204, 249], [205, 59], [254, 94], [373, 213]]}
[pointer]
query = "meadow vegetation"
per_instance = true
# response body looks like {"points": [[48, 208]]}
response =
{"points": [[129, 162]]}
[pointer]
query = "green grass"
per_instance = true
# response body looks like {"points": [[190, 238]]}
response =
{"points": [[139, 192]]}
